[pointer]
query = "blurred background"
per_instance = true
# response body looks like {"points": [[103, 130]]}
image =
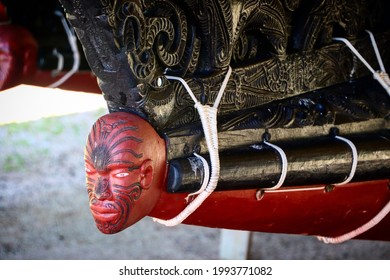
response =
{"points": [[44, 211]]}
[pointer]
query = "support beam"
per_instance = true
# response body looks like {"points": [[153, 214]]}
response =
{"points": [[234, 244], [321, 160]]}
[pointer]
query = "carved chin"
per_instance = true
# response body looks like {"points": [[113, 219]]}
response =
{"points": [[109, 226], [108, 220]]}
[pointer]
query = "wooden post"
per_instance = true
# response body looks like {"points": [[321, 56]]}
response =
{"points": [[234, 244]]}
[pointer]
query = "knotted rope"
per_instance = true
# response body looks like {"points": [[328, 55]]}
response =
{"points": [[208, 117], [381, 76]]}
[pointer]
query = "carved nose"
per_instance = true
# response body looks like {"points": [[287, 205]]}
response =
{"points": [[102, 190]]}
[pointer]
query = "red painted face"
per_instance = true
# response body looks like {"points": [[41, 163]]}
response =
{"points": [[125, 168]]}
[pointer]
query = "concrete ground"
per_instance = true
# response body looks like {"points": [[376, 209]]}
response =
{"points": [[44, 210]]}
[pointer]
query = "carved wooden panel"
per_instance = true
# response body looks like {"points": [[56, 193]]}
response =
{"points": [[277, 48]]}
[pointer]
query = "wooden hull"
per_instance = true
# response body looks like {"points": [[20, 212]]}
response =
{"points": [[307, 210]]}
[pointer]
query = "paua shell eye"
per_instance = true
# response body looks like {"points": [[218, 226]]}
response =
{"points": [[122, 174]]}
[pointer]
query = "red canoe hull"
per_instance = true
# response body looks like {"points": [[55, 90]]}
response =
{"points": [[309, 211]]}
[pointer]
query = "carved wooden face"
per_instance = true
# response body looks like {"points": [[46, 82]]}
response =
{"points": [[125, 168]]}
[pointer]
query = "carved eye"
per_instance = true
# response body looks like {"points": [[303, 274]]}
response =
{"points": [[159, 83], [122, 174]]}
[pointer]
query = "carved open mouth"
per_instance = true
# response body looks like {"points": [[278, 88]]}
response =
{"points": [[104, 214]]}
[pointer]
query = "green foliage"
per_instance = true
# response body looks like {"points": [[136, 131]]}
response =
{"points": [[14, 162], [48, 125]]}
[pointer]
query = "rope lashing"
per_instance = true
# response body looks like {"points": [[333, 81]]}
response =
{"points": [[370, 224], [284, 164], [381, 76], [72, 39], [208, 117], [206, 177], [376, 49], [354, 160]]}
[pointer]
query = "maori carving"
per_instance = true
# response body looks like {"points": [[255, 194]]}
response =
{"points": [[327, 19], [124, 159], [263, 30], [148, 40], [278, 49], [289, 78], [337, 104], [291, 5]]}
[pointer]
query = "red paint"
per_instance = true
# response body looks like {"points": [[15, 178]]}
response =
{"points": [[3, 13], [18, 61], [125, 168], [313, 212], [80, 81], [18, 53]]}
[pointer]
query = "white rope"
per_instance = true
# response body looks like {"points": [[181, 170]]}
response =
{"points": [[60, 62], [381, 76], [186, 86], [206, 176], [376, 49], [208, 117], [354, 160], [370, 224], [76, 55], [283, 173], [355, 51]]}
